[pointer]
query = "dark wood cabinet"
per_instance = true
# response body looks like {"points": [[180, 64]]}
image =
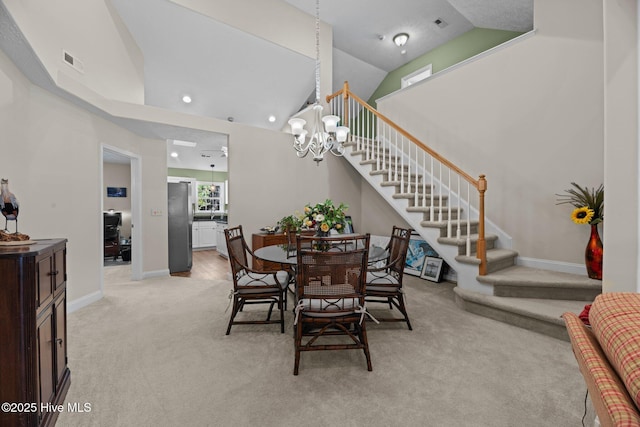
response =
{"points": [[33, 332], [260, 240]]}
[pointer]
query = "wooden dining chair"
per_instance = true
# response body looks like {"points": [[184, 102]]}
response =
{"points": [[384, 279], [251, 286], [330, 290]]}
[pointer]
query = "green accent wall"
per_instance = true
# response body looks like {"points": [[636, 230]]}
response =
{"points": [[457, 50], [199, 175]]}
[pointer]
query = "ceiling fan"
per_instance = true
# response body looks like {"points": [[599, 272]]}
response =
{"points": [[223, 150]]}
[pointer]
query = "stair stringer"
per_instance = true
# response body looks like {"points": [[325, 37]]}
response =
{"points": [[467, 274]]}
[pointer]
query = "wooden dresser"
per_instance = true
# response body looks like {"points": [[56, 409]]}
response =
{"points": [[260, 240], [33, 332]]}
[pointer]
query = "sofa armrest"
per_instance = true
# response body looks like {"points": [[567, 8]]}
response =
{"points": [[610, 398]]}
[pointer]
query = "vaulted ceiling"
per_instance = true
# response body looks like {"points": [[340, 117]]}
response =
{"points": [[233, 75]]}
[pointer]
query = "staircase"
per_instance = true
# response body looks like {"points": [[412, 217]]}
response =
{"points": [[438, 200]]}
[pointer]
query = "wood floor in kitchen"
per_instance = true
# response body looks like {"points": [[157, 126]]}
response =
{"points": [[207, 264]]}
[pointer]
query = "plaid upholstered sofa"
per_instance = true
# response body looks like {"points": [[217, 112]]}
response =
{"points": [[608, 355]]}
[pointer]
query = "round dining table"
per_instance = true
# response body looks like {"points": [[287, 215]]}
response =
{"points": [[283, 255]]}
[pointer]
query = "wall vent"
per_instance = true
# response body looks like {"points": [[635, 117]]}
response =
{"points": [[72, 61], [440, 23]]}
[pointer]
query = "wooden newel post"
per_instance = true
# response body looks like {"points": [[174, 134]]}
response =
{"points": [[481, 246], [345, 99]]}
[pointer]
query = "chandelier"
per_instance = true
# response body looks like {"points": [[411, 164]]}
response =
{"points": [[324, 132]]}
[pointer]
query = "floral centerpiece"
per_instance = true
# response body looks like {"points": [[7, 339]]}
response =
{"points": [[589, 209], [324, 217]]}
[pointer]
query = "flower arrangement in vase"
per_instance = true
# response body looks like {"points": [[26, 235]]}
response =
{"points": [[589, 209], [324, 217]]}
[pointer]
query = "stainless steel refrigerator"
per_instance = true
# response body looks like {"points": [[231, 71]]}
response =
{"points": [[180, 215]]}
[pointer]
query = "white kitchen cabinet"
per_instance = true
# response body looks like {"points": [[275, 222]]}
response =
{"points": [[195, 240], [207, 234], [222, 243]]}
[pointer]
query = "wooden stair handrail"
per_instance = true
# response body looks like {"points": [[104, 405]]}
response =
{"points": [[480, 184]]}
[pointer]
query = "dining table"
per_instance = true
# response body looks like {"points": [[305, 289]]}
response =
{"points": [[286, 255]]}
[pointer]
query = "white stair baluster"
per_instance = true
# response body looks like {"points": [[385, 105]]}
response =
{"points": [[432, 190], [449, 205], [459, 221], [424, 178], [440, 194], [468, 219]]}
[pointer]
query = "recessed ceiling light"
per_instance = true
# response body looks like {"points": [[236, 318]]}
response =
{"points": [[186, 99], [272, 119], [401, 39], [174, 154], [184, 143]]}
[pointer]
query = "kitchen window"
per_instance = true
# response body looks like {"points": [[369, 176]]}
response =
{"points": [[210, 197]]}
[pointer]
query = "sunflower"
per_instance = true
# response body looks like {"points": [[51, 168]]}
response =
{"points": [[582, 215], [584, 198]]}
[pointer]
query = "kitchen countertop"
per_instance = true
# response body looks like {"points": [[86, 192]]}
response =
{"points": [[218, 220]]}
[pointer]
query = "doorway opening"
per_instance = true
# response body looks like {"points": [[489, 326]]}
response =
{"points": [[120, 213]]}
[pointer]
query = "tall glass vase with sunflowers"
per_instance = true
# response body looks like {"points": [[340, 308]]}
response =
{"points": [[589, 209]]}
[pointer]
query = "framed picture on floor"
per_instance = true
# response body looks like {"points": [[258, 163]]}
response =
{"points": [[416, 253], [432, 269]]}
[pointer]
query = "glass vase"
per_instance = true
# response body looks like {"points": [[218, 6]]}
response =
{"points": [[320, 233], [593, 254]]}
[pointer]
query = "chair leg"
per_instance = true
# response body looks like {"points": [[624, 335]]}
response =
{"points": [[283, 306], [365, 344], [403, 310], [234, 311], [273, 302], [298, 343]]}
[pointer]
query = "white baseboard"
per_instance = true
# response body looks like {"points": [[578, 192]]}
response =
{"points": [[156, 273], [545, 264], [84, 301]]}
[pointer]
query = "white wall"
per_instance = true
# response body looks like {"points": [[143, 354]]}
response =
{"points": [[621, 146], [530, 117]]}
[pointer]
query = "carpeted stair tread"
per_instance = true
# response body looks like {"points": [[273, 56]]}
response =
{"points": [[526, 282], [493, 255], [542, 309], [463, 240], [526, 276], [534, 314]]}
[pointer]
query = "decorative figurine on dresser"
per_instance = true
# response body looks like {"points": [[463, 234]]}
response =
{"points": [[8, 204], [34, 377]]}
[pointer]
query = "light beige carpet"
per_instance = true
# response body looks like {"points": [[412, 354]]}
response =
{"points": [[154, 353]]}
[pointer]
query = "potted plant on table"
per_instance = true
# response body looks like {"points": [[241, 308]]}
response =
{"points": [[290, 223]]}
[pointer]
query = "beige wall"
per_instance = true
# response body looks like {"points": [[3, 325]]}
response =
{"points": [[621, 146], [55, 147], [52, 159], [117, 175], [275, 21], [530, 117], [267, 181], [91, 31]]}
